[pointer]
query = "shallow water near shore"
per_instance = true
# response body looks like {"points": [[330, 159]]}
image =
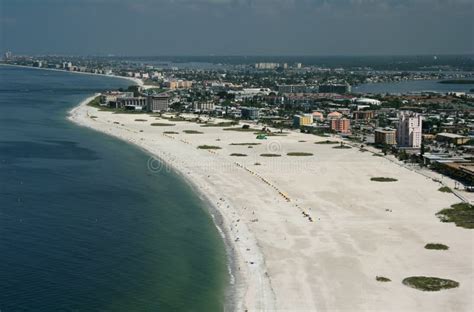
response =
{"points": [[85, 225]]}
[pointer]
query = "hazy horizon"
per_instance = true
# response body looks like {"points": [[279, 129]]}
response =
{"points": [[237, 27]]}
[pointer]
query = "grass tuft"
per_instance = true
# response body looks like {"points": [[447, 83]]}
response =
{"points": [[326, 142], [238, 155], [192, 132], [436, 246], [250, 144], [425, 283], [299, 154], [382, 279], [208, 147], [342, 147], [161, 124], [461, 214], [270, 155], [383, 179], [445, 189]]}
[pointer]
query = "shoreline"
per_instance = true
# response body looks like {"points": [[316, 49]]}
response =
{"points": [[136, 81], [284, 260], [236, 278]]}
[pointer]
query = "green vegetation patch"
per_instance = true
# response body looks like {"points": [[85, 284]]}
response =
{"points": [[140, 119], [94, 102], [383, 179], [342, 146], [173, 118], [94, 117], [208, 147], [221, 124], [270, 155], [238, 155], [270, 133], [377, 155], [170, 132], [326, 142], [192, 132], [461, 214], [161, 124], [299, 154], [240, 129], [436, 246], [425, 283], [123, 111], [445, 189], [382, 279], [249, 144]]}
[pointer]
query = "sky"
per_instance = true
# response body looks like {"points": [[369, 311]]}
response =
{"points": [[237, 27]]}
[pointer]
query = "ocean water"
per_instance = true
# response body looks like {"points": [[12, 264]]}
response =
{"points": [[411, 86], [84, 225]]}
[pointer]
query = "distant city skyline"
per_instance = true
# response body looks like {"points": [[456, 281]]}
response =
{"points": [[237, 27]]}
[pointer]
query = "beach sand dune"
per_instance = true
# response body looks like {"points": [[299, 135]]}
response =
{"points": [[311, 233]]}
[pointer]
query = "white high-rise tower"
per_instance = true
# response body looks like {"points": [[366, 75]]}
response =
{"points": [[409, 130]]}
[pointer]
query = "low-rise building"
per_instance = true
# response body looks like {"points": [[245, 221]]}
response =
{"points": [[132, 103], [296, 88], [452, 138], [249, 112], [158, 103], [318, 116], [302, 120], [363, 115], [334, 115], [342, 125], [335, 88], [110, 98], [203, 106], [385, 137]]}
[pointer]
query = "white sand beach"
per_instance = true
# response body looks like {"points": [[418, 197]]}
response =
{"points": [[360, 229]]}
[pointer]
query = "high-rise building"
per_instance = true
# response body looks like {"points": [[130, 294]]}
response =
{"points": [[7, 56], [409, 130], [342, 125]]}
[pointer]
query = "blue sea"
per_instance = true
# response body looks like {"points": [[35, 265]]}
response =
{"points": [[84, 225]]}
